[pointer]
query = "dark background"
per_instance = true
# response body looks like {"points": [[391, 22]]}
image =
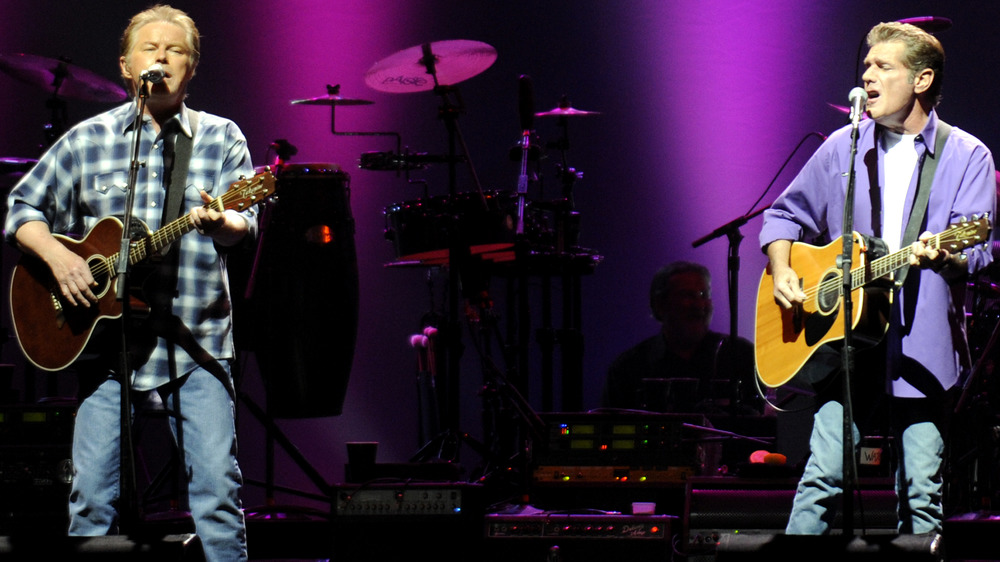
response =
{"points": [[701, 104]]}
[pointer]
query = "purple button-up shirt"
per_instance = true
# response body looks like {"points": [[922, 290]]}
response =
{"points": [[930, 335]]}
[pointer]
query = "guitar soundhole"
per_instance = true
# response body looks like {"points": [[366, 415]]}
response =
{"points": [[828, 294], [99, 270]]}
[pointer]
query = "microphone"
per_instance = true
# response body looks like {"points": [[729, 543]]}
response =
{"points": [[525, 102], [858, 98], [154, 74]]}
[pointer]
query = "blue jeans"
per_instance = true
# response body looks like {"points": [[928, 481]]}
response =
{"points": [[918, 476], [208, 432]]}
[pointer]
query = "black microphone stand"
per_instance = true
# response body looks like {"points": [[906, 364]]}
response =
{"points": [[129, 511], [732, 231], [847, 353]]}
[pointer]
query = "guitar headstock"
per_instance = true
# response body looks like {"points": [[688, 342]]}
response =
{"points": [[248, 192], [965, 234]]}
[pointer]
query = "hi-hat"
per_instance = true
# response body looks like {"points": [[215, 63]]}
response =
{"points": [[332, 97], [410, 70], [61, 78], [565, 112]]}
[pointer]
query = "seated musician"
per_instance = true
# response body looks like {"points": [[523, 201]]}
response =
{"points": [[686, 367]]}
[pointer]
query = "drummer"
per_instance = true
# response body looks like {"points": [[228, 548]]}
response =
{"points": [[685, 367]]}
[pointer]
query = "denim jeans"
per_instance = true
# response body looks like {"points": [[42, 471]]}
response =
{"points": [[918, 476], [207, 431]]}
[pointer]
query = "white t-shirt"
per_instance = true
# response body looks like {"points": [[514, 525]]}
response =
{"points": [[900, 165]]}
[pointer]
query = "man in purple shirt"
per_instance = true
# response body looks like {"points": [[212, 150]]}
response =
{"points": [[925, 352]]}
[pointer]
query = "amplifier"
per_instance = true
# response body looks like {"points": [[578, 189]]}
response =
{"points": [[621, 439], [444, 499], [587, 537], [614, 475], [604, 526], [35, 466], [408, 521], [36, 424]]}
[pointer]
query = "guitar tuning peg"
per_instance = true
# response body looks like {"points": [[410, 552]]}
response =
{"points": [[242, 177]]}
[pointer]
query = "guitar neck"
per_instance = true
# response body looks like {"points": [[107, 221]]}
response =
{"points": [[141, 249], [885, 265], [881, 267]]}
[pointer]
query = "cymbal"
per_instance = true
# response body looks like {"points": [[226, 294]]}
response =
{"points": [[565, 112], [61, 78], [452, 62], [332, 97], [332, 100], [14, 165], [930, 24]]}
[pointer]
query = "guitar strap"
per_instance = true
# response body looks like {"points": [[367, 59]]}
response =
{"points": [[928, 164], [178, 174]]}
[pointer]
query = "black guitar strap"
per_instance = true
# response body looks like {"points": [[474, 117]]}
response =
{"points": [[928, 164], [178, 174]]}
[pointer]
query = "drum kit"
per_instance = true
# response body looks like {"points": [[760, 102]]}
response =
{"points": [[486, 223]]}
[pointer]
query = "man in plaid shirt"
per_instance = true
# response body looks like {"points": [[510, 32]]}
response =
{"points": [[180, 354]]}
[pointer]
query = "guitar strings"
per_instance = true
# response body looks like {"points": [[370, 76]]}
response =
{"points": [[880, 267], [164, 236]]}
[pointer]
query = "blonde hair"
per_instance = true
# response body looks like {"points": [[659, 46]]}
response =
{"points": [[160, 13]]}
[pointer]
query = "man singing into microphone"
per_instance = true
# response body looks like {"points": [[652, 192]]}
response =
{"points": [[180, 353], [915, 371]]}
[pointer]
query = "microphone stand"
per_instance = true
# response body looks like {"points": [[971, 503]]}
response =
{"points": [[847, 353], [732, 230], [129, 510]]}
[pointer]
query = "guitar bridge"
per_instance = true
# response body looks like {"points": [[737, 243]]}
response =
{"points": [[60, 312]]}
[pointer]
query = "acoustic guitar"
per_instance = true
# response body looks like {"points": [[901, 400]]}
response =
{"points": [[785, 339], [51, 332]]}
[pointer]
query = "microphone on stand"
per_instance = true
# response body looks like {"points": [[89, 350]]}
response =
{"points": [[858, 98], [526, 109], [154, 74]]}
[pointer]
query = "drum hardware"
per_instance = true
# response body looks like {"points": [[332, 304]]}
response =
{"points": [[438, 67], [63, 80], [333, 99], [526, 103]]}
